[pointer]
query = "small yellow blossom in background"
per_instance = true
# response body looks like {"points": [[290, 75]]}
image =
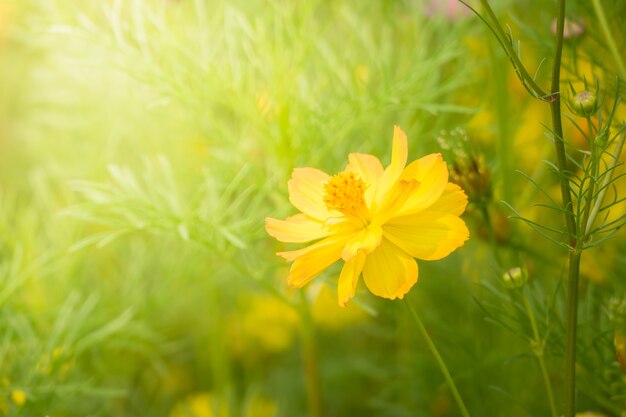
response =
{"points": [[377, 220], [598, 263], [56, 353], [361, 77], [177, 380], [619, 341], [328, 315], [270, 323], [265, 105], [18, 397], [260, 406], [266, 325], [199, 405]]}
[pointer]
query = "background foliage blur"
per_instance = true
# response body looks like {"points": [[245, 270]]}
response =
{"points": [[143, 142]]}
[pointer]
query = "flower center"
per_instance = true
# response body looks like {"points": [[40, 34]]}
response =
{"points": [[344, 192]]}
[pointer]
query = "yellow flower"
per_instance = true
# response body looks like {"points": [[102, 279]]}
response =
{"points": [[328, 315], [377, 220], [18, 396], [268, 324], [201, 404]]}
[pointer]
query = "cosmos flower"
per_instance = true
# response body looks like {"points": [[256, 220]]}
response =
{"points": [[375, 219]]}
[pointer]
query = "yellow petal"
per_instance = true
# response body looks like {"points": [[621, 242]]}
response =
{"points": [[296, 229], [428, 235], [399, 154], [369, 169], [452, 201], [389, 272], [395, 200], [309, 262], [432, 173], [349, 277], [366, 240], [306, 192], [399, 151]]}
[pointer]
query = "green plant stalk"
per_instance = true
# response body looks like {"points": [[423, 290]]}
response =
{"points": [[517, 63], [604, 26], [557, 127], [310, 360], [570, 221], [439, 359], [537, 346]]}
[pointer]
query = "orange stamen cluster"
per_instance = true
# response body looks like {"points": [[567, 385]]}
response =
{"points": [[344, 192]]}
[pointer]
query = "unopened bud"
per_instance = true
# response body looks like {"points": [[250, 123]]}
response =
{"points": [[452, 10], [472, 174], [617, 311], [584, 104], [514, 278], [572, 28]]}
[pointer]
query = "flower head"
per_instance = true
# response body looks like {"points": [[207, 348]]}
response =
{"points": [[375, 219], [584, 104]]}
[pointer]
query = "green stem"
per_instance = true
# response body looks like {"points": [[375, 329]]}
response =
{"points": [[570, 334], [537, 345], [310, 359], [604, 26], [574, 257], [439, 359], [517, 63], [557, 127]]}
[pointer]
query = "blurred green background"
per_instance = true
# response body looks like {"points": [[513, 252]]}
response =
{"points": [[143, 142]]}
